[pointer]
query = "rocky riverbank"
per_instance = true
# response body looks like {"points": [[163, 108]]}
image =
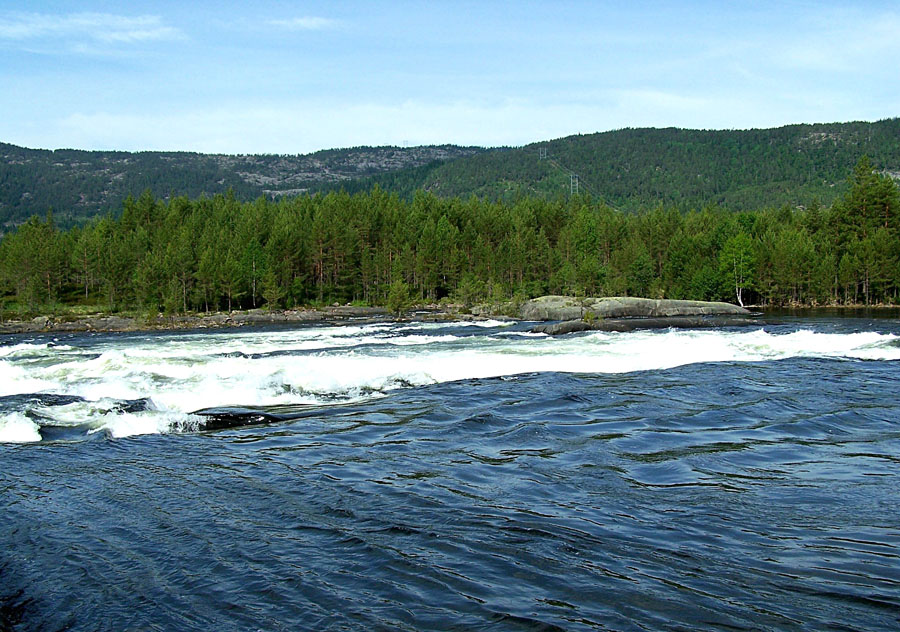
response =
{"points": [[573, 314], [199, 321]]}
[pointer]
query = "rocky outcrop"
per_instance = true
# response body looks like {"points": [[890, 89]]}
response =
{"points": [[620, 313], [552, 308], [565, 308]]}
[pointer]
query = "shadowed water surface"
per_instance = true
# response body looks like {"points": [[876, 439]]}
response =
{"points": [[721, 495]]}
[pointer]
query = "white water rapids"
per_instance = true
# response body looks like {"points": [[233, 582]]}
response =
{"points": [[183, 372]]}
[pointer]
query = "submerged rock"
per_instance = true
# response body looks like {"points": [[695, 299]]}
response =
{"points": [[631, 324], [565, 327]]}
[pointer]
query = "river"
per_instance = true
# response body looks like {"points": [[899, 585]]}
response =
{"points": [[453, 476]]}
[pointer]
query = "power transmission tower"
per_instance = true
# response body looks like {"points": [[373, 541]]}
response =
{"points": [[573, 184], [542, 153]]}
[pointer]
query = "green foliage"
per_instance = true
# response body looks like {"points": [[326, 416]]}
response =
{"points": [[639, 168], [737, 265], [272, 292], [85, 184], [398, 297], [471, 290], [217, 253], [631, 169]]}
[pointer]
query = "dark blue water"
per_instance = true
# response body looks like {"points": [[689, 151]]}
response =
{"points": [[715, 496]]}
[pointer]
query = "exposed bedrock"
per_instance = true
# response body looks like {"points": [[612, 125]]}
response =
{"points": [[572, 308], [627, 314]]}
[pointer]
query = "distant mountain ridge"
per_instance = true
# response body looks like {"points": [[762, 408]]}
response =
{"points": [[633, 168], [78, 184], [628, 168]]}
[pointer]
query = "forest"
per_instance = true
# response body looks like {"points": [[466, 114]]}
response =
{"points": [[631, 169], [628, 169], [217, 253], [80, 184]]}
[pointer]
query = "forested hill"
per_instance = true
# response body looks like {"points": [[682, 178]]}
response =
{"points": [[633, 168], [80, 184], [628, 169]]}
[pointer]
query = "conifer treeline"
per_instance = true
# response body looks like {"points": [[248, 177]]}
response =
{"points": [[218, 253]]}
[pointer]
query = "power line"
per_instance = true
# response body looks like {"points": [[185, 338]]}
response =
{"points": [[575, 182]]}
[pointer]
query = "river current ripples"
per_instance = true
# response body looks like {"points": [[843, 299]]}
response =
{"points": [[460, 476]]}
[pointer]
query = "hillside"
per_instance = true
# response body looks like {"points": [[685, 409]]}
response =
{"points": [[628, 168], [79, 184]]}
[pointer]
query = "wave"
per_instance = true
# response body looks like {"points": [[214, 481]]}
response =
{"points": [[17, 427], [31, 349], [119, 425]]}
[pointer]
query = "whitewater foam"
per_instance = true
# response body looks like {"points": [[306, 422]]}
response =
{"points": [[18, 428], [120, 425], [183, 373]]}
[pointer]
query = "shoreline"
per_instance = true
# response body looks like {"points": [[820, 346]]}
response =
{"points": [[222, 320], [108, 323]]}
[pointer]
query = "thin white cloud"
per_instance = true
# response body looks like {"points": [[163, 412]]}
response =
{"points": [[306, 23], [104, 28], [846, 43]]}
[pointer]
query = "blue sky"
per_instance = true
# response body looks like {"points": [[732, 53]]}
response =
{"points": [[295, 77]]}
